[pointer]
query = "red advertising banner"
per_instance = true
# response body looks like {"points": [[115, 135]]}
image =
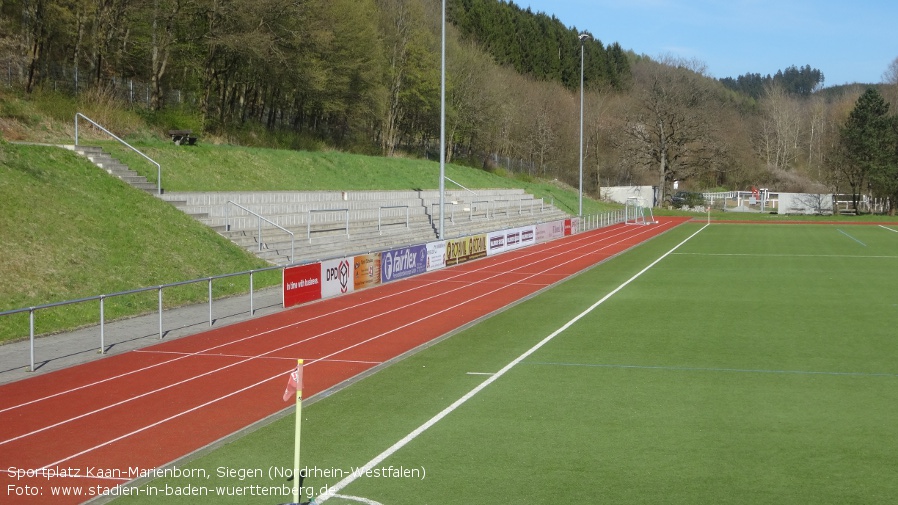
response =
{"points": [[302, 284], [567, 227]]}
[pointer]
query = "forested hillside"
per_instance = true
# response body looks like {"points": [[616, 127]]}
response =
{"points": [[363, 76]]}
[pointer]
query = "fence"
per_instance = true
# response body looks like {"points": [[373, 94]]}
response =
{"points": [[588, 222], [32, 311]]}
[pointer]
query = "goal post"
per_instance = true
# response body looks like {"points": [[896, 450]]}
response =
{"points": [[637, 212]]}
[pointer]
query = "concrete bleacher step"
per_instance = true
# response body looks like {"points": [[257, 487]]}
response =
{"points": [[322, 214], [114, 167]]}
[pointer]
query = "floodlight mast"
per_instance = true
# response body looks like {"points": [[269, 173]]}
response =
{"points": [[443, 122], [583, 39]]}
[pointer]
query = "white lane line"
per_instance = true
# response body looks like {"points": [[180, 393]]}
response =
{"points": [[324, 358], [287, 326], [336, 488]]}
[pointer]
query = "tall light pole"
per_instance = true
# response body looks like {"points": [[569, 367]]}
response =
{"points": [[443, 121], [583, 37]]}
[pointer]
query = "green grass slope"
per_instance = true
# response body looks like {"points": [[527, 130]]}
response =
{"points": [[70, 231]]}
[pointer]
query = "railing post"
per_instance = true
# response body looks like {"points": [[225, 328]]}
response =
{"points": [[252, 310], [347, 223], [160, 312], [260, 234], [102, 325], [31, 336], [210, 301]]}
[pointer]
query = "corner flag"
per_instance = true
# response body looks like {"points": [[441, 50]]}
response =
{"points": [[294, 385]]}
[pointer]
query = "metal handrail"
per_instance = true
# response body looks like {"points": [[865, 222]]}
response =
{"points": [[603, 220], [451, 212], [151, 160], [382, 207], [309, 221], [459, 185], [474, 203], [261, 218], [102, 298]]}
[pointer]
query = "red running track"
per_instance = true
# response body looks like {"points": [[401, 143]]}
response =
{"points": [[144, 409]]}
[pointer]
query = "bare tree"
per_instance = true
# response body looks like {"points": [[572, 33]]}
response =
{"points": [[781, 128], [672, 127], [890, 79]]}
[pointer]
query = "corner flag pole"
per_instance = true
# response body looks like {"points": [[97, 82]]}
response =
{"points": [[295, 384], [296, 472]]}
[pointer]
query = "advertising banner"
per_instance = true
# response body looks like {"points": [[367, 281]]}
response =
{"points": [[528, 236], [507, 240], [495, 242], [366, 271], [336, 277], [436, 255], [549, 231], [464, 249], [302, 284], [401, 263]]}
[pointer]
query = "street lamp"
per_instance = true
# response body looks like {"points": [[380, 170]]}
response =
{"points": [[443, 121], [583, 37]]}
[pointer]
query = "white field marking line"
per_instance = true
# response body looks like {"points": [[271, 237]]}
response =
{"points": [[121, 437], [887, 228], [700, 369], [447, 309], [157, 423], [481, 373], [163, 388], [852, 238], [336, 488], [529, 252], [786, 255], [359, 499]]}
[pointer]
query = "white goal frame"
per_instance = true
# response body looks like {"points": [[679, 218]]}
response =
{"points": [[635, 212]]}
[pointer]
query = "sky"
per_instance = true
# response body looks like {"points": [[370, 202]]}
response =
{"points": [[849, 41]]}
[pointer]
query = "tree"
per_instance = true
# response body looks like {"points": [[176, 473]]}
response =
{"points": [[411, 78], [781, 127], [673, 127], [884, 178], [868, 138], [890, 79]]}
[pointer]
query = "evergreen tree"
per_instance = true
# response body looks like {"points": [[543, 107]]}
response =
{"points": [[869, 141]]}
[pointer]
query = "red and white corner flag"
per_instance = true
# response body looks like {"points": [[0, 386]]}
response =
{"points": [[294, 384]]}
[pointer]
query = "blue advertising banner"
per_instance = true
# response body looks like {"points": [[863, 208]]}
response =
{"points": [[401, 263]]}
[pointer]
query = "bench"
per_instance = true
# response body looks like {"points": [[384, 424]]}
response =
{"points": [[181, 137]]}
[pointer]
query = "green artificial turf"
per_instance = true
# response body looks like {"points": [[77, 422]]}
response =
{"points": [[755, 364]]}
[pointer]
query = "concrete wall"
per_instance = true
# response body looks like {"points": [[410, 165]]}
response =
{"points": [[805, 203], [620, 194]]}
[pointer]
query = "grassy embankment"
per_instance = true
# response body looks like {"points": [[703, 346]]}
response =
{"points": [[69, 231]]}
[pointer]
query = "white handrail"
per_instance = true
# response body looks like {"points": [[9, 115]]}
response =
{"points": [[459, 185], [380, 211], [261, 218], [151, 160], [309, 221]]}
